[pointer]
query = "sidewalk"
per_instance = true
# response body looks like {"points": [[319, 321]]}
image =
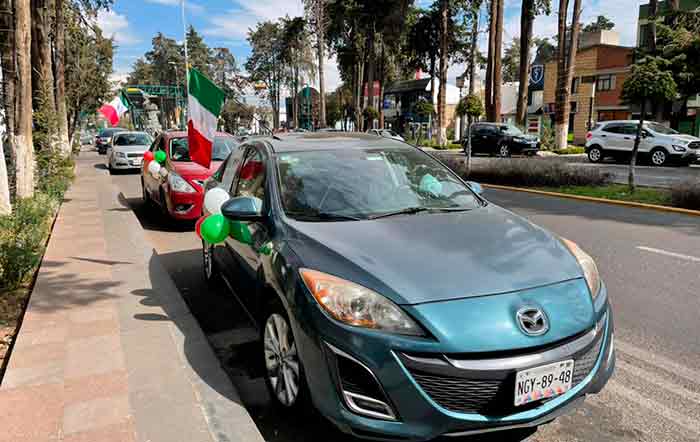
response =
{"points": [[108, 350]]}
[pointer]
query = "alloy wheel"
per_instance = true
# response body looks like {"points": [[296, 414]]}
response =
{"points": [[594, 155], [281, 359], [207, 262], [658, 158], [504, 151]]}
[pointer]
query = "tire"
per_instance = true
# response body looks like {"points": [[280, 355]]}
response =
{"points": [[658, 157], [145, 196], [503, 151], [595, 154], [208, 265], [280, 357]]}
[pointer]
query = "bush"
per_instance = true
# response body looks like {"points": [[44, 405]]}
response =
{"points": [[686, 195], [22, 238], [530, 173], [547, 138], [570, 150]]}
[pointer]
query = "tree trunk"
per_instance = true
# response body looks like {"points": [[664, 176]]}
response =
{"points": [[488, 88], [370, 68], [474, 49], [9, 78], [637, 140], [321, 30], [433, 95], [442, 87], [566, 54], [60, 78], [41, 51], [497, 70], [24, 148], [653, 12], [468, 152], [527, 18], [382, 75]]}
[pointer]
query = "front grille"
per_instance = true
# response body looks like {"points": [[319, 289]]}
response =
{"points": [[491, 397], [694, 145], [134, 155]]}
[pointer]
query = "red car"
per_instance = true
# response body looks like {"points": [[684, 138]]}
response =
{"points": [[179, 192]]}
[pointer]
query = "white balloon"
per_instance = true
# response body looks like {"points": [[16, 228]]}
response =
{"points": [[154, 167], [214, 199], [163, 172]]}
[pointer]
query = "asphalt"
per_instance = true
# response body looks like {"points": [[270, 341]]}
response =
{"points": [[662, 177], [649, 260]]}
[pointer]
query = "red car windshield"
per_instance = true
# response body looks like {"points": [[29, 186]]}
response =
{"points": [[180, 151]]}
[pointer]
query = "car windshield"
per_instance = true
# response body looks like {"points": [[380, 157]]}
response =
{"points": [[132, 140], [390, 133], [511, 130], [365, 183], [180, 151], [108, 132], [660, 129]]}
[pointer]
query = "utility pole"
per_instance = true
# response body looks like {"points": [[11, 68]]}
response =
{"points": [[187, 62]]}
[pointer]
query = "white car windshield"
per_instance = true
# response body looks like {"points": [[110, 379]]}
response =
{"points": [[661, 129], [132, 140]]}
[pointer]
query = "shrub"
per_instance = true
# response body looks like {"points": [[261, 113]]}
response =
{"points": [[686, 195], [547, 138], [570, 150], [530, 173]]}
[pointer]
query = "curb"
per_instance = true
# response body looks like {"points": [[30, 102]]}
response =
{"points": [[597, 200]]}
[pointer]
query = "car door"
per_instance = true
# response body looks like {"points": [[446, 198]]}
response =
{"points": [[479, 135], [149, 181], [628, 131], [612, 133]]}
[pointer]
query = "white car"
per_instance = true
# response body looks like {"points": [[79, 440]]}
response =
{"points": [[386, 133], [127, 149], [660, 144]]}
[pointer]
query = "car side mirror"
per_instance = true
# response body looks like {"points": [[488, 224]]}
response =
{"points": [[646, 134], [475, 187], [243, 208]]}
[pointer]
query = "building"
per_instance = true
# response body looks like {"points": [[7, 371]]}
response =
{"points": [[309, 105], [600, 71]]}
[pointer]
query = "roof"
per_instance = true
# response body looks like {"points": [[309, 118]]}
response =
{"points": [[329, 140], [183, 133], [407, 86]]}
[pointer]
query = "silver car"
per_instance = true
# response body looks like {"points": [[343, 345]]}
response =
{"points": [[127, 149], [660, 145]]}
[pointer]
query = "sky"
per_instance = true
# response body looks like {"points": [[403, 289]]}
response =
{"points": [[133, 23]]}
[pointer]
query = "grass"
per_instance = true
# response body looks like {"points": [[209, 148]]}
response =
{"points": [[617, 192], [571, 150]]}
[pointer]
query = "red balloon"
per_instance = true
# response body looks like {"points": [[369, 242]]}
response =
{"points": [[198, 226], [148, 157]]}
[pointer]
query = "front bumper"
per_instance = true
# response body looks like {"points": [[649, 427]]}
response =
{"points": [[419, 413], [525, 148], [184, 206], [127, 163]]}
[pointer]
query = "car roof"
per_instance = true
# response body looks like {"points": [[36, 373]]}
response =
{"points": [[621, 121], [183, 133], [132, 132], [298, 142]]}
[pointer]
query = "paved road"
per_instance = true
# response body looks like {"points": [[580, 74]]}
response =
{"points": [[650, 261], [646, 175]]}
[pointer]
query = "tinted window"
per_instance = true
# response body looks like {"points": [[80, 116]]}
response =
{"points": [[251, 176], [365, 182], [615, 128], [180, 151], [629, 129], [132, 140]]}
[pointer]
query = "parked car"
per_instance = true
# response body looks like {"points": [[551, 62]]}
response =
{"points": [[501, 139], [659, 145], [104, 138], [178, 191], [341, 247], [386, 133], [127, 149]]}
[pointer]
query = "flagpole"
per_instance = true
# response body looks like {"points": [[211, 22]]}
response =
{"points": [[187, 64]]}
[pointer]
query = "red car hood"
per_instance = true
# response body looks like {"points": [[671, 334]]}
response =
{"points": [[193, 171]]}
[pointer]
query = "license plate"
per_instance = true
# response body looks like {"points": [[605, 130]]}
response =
{"points": [[543, 382], [136, 162]]}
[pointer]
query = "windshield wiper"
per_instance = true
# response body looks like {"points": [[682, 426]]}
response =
{"points": [[406, 211], [322, 216]]}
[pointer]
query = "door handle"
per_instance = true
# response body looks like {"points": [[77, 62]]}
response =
{"points": [[628, 138]]}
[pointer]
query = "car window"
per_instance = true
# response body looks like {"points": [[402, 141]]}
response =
{"points": [[232, 164], [660, 129], [367, 182], [180, 151], [511, 130], [132, 140], [251, 175], [614, 128], [157, 144], [629, 129]]}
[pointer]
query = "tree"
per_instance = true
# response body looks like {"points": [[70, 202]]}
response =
{"points": [[529, 9], [601, 23], [475, 7], [472, 107], [42, 67], [511, 61], [316, 12], [647, 82], [566, 54], [421, 44], [226, 73], [198, 53], [23, 145], [545, 51], [59, 62], [8, 57], [493, 66], [265, 65], [653, 13], [296, 56]]}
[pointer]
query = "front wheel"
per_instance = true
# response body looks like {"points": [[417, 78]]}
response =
{"points": [[659, 157], [208, 262], [503, 151], [595, 154], [284, 372]]}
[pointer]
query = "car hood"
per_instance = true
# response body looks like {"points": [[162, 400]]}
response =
{"points": [[422, 258], [528, 137], [190, 169], [685, 139], [130, 149]]}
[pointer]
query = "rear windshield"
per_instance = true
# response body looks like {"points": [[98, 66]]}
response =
{"points": [[180, 151], [109, 132], [132, 140]]}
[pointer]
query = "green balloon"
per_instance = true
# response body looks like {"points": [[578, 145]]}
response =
{"points": [[241, 232], [160, 156], [214, 229]]}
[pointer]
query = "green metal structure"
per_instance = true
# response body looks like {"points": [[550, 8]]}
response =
{"points": [[167, 97]]}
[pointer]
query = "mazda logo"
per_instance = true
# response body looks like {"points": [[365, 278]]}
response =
{"points": [[532, 321]]}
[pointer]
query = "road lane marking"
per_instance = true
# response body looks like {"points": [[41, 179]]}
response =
{"points": [[685, 422], [658, 361], [648, 376], [671, 254]]}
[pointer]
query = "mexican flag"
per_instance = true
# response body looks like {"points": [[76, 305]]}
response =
{"points": [[204, 101], [113, 110]]}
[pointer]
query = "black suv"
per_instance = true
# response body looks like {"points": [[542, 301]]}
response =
{"points": [[501, 139]]}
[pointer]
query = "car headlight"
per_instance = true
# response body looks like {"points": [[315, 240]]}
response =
{"points": [[120, 154], [678, 148], [590, 270], [178, 184], [358, 306]]}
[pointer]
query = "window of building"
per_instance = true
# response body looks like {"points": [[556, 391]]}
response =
{"points": [[574, 84], [606, 82]]}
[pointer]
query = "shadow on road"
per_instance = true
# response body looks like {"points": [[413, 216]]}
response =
{"points": [[152, 217]]}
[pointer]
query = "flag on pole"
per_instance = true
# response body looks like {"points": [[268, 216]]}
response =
{"points": [[204, 101], [113, 110]]}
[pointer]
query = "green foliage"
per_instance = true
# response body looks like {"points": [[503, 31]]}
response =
{"points": [[265, 63], [601, 23], [510, 63], [648, 82], [545, 51], [370, 114], [571, 150], [471, 106], [424, 108], [547, 138]]}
